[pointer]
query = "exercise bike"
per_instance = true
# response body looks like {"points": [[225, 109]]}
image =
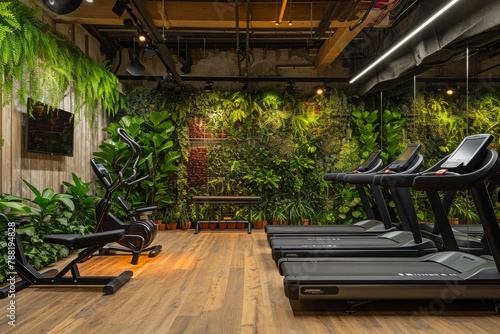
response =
{"points": [[140, 231], [70, 274]]}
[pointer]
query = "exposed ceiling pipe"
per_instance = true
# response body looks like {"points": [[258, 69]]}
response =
{"points": [[247, 46], [237, 21], [364, 16], [282, 11], [324, 24]]}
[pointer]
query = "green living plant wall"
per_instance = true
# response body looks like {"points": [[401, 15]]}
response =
{"points": [[262, 143], [278, 146], [441, 122], [38, 62]]}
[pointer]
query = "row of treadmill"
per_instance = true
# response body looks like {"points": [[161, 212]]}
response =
{"points": [[379, 259]]}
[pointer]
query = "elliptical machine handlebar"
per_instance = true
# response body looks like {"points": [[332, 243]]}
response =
{"points": [[134, 155]]}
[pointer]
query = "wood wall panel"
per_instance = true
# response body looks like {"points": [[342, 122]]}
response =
{"points": [[42, 170]]}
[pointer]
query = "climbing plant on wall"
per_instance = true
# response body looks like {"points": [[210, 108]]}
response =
{"points": [[39, 62]]}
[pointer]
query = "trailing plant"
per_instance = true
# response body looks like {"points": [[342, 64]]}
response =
{"points": [[47, 65]]}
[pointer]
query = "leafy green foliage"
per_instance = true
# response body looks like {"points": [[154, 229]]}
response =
{"points": [[152, 131], [83, 216], [48, 213], [350, 211], [53, 64], [392, 134], [366, 129]]}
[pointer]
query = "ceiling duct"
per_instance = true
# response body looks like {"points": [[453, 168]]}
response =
{"points": [[466, 24]]}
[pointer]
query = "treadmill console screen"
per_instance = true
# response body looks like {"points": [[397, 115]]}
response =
{"points": [[470, 151], [367, 164], [406, 158]]}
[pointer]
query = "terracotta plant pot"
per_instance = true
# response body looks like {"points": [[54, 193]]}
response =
{"points": [[158, 223], [171, 226], [259, 224], [185, 225]]}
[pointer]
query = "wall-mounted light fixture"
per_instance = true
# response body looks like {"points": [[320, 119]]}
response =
{"points": [[322, 90], [290, 88], [209, 87], [404, 40], [452, 89]]}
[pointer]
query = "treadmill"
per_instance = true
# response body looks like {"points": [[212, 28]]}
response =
{"points": [[473, 230], [395, 243], [370, 226], [446, 275]]}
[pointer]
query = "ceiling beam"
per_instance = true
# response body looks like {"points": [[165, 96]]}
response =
{"points": [[334, 46]]}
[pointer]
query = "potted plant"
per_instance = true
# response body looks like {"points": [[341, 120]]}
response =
{"points": [[278, 216], [241, 215], [185, 218], [259, 219], [298, 210]]}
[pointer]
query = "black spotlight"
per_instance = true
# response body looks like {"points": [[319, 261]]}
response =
{"points": [[290, 88], [134, 67], [209, 87], [128, 23], [119, 8], [186, 63], [142, 37], [62, 6], [322, 90]]}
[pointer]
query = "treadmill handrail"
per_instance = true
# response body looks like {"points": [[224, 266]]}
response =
{"points": [[365, 178], [339, 176], [456, 181]]}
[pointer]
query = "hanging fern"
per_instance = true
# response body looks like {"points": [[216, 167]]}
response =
{"points": [[39, 62]]}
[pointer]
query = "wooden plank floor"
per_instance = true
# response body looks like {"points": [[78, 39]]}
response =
{"points": [[218, 282]]}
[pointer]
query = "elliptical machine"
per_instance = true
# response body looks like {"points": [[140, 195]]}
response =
{"points": [[140, 231]]}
